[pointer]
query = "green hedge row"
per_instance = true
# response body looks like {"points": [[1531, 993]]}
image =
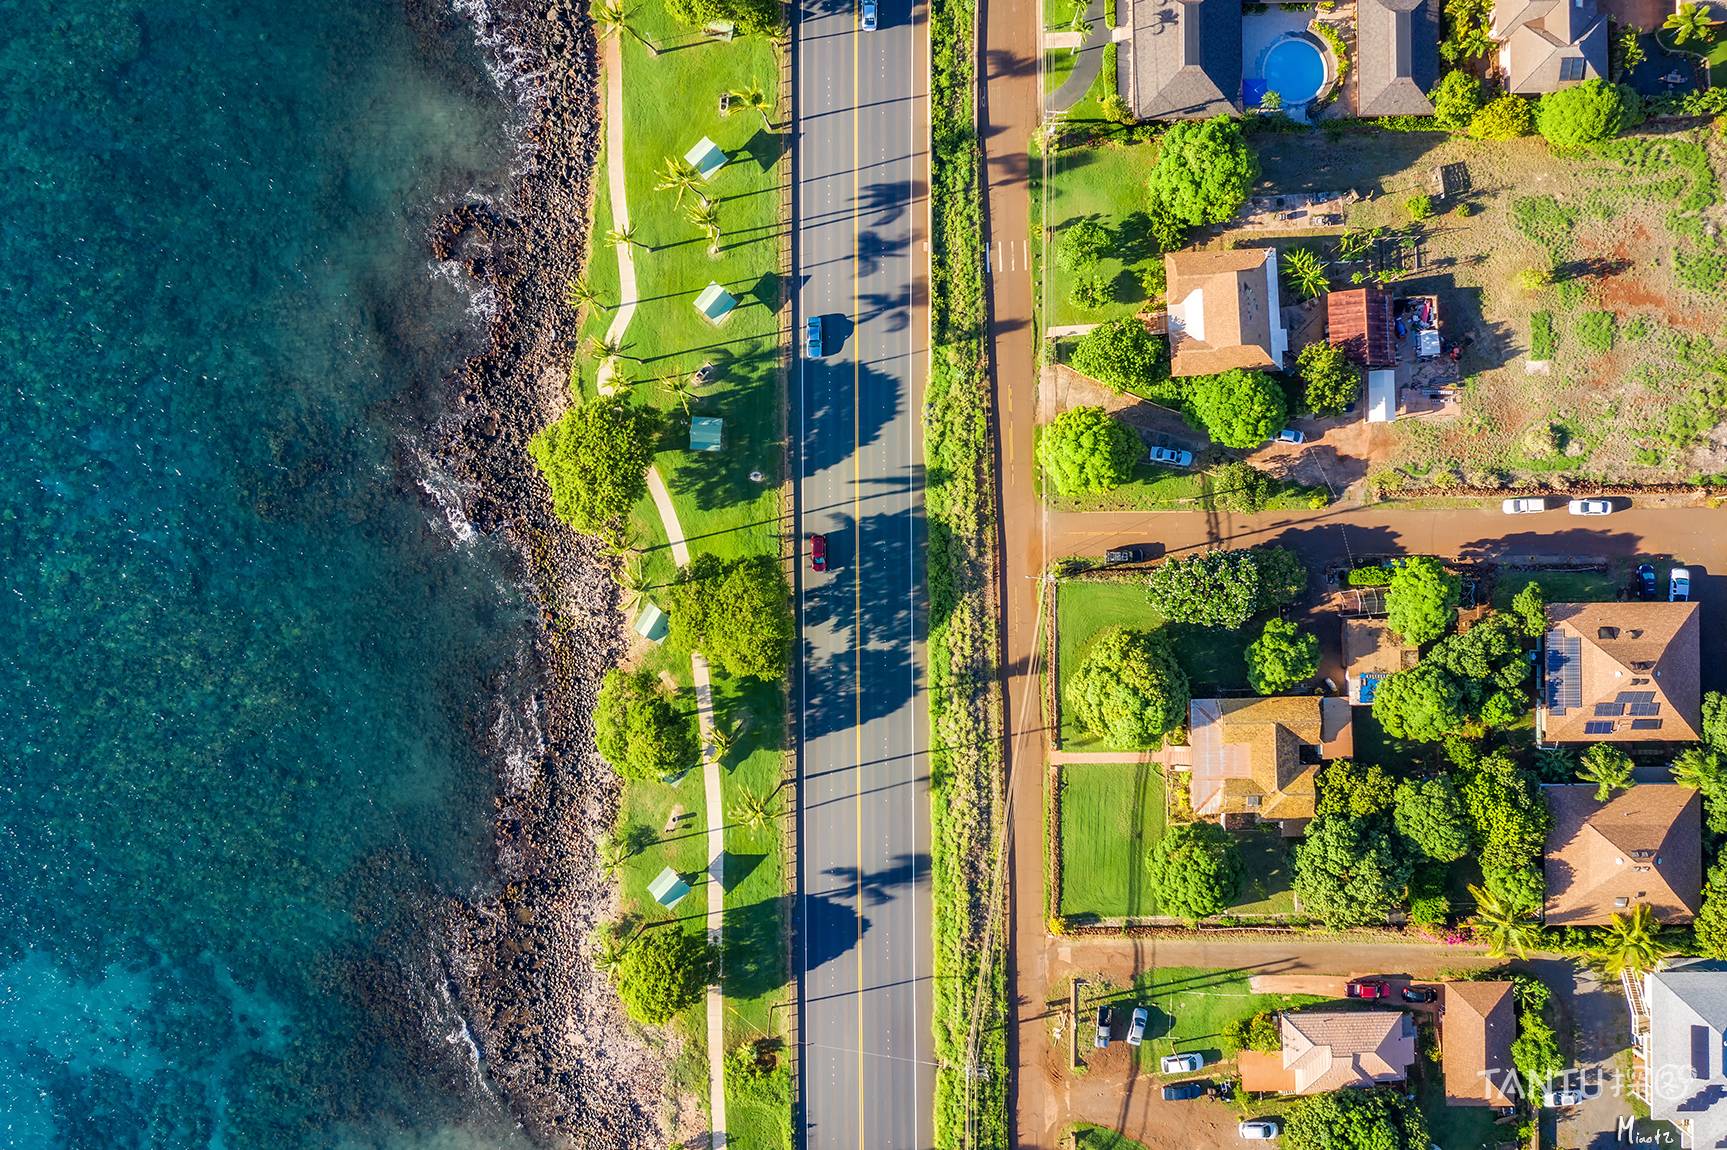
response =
{"points": [[970, 1001]]}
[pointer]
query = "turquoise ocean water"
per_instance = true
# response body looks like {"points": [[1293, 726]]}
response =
{"points": [[249, 663]]}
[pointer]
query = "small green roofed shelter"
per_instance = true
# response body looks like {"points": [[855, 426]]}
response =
{"points": [[705, 432], [668, 888], [651, 623], [715, 303], [706, 157]]}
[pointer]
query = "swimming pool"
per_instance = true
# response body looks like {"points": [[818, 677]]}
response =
{"points": [[1294, 69]]}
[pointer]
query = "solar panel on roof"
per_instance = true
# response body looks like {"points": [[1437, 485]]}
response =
{"points": [[1636, 696], [1564, 672], [1593, 728], [1645, 724], [1645, 708], [1609, 708]]}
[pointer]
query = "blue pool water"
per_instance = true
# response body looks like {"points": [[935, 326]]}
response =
{"points": [[1294, 69]]}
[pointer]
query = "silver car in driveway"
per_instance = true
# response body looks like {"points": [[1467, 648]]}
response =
{"points": [[1181, 1063], [1172, 457], [1679, 585], [1136, 1028]]}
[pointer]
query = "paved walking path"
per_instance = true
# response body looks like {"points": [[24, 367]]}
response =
{"points": [[668, 513]]}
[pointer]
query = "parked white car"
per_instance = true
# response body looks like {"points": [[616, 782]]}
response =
{"points": [[1172, 457], [1291, 435], [1679, 585], [1258, 1129], [1527, 505], [1136, 1025], [1561, 1097], [1590, 507], [869, 11], [1181, 1063]]}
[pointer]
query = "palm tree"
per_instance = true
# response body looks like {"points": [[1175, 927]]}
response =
{"points": [[706, 216], [681, 388], [605, 347], [633, 582], [1690, 22], [1631, 943], [580, 294], [755, 810], [1081, 28], [758, 101], [1608, 767], [623, 235], [613, 853], [725, 736], [1696, 768], [680, 176], [1305, 272], [1507, 926], [1631, 52], [612, 20]]}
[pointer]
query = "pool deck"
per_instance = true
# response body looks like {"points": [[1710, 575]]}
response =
{"points": [[1259, 30]]}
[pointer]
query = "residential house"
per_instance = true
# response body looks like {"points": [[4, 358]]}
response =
{"points": [[1224, 311], [1325, 1050], [1477, 1022], [1185, 59], [1371, 652], [1679, 1067], [1545, 45], [1261, 757], [1642, 847], [1359, 321], [1620, 672], [1396, 56]]}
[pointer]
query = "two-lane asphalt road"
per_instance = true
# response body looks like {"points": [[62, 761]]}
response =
{"points": [[863, 947]]}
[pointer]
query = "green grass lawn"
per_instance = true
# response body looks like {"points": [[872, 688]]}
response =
{"points": [[1214, 660], [1156, 488], [1111, 815], [1087, 1137], [1560, 586], [1106, 182], [1268, 873], [1190, 1008]]}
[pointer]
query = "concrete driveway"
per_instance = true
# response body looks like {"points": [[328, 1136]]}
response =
{"points": [[1593, 1024]]}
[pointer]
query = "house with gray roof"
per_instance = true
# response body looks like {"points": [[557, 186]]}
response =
{"points": [[1546, 45], [1396, 56], [1680, 1064], [1185, 62]]}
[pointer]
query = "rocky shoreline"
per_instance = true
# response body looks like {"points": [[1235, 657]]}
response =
{"points": [[549, 1032]]}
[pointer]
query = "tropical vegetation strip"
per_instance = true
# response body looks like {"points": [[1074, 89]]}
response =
{"points": [[692, 386], [966, 800]]}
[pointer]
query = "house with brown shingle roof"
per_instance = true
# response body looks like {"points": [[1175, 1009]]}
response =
{"points": [[1477, 1022], [1546, 45], [1325, 1050], [1620, 673], [1224, 311], [1642, 847], [1371, 652], [1262, 756]]}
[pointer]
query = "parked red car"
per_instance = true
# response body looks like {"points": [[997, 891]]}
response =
{"points": [[1367, 988], [818, 552]]}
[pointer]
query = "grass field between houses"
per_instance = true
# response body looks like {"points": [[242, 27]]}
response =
{"points": [[1213, 659], [1088, 1137], [1105, 182], [1190, 1008]]}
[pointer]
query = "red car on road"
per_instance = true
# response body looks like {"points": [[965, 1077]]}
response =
{"points": [[1369, 988], [818, 552]]}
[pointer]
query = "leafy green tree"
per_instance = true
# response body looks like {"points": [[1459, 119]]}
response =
{"points": [[662, 972], [1359, 790], [1282, 576], [1631, 942], [1196, 870], [1506, 925], [1331, 383], [1304, 272], [1530, 608], [1088, 450], [1348, 871], [1239, 486], [737, 613], [1204, 171], [1213, 589], [1456, 99], [1608, 767], [595, 460], [1711, 924], [1535, 1050], [1468, 30], [1715, 721], [1585, 113], [1421, 703], [639, 730], [1690, 22], [1628, 53], [1129, 689], [1259, 1032], [1703, 771], [1082, 244], [1121, 354], [1508, 821], [1430, 815], [1238, 408], [1376, 1119], [1091, 291], [1421, 602], [1504, 118], [1283, 656]]}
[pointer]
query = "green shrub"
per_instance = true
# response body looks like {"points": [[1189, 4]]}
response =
{"points": [[1419, 207], [1091, 291], [1595, 330], [595, 460], [1533, 279], [754, 17], [1465, 209], [1081, 244], [1374, 576], [1586, 113], [1239, 486], [1456, 99], [1504, 118], [639, 730], [662, 972], [1468, 30], [1542, 340], [1085, 449]]}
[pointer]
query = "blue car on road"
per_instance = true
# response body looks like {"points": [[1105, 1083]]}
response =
{"points": [[813, 337]]}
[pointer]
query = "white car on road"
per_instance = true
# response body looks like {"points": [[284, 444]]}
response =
{"points": [[1528, 505], [1172, 457], [1181, 1063], [1590, 507], [869, 12]]}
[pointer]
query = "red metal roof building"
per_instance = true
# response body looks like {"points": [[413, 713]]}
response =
{"points": [[1359, 321]]}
